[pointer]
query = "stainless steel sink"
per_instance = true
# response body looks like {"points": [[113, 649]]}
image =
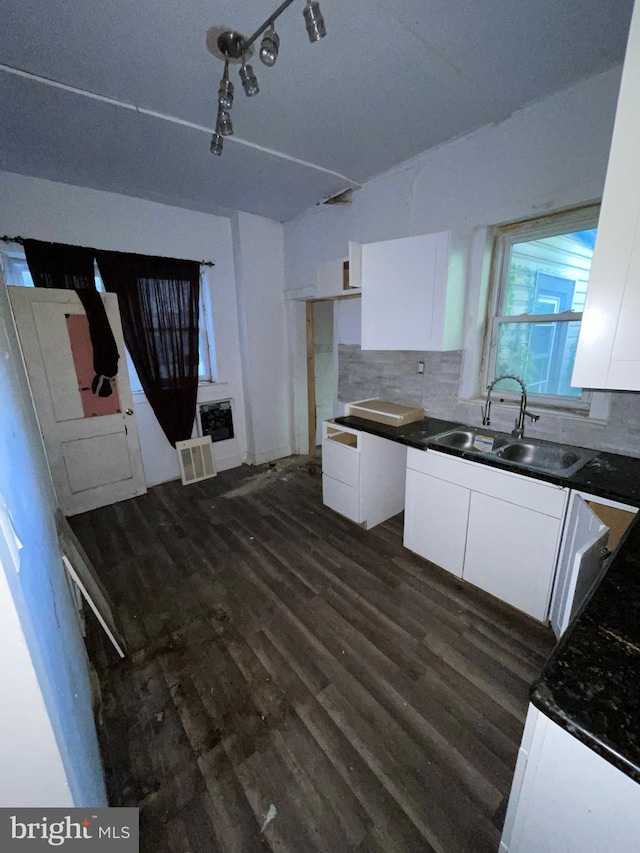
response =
{"points": [[547, 457], [465, 438], [550, 458]]}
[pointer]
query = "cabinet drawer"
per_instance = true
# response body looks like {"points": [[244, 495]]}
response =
{"points": [[341, 458], [504, 485], [341, 498]]}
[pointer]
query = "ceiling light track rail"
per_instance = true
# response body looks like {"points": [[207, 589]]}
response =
{"points": [[143, 111], [234, 46]]}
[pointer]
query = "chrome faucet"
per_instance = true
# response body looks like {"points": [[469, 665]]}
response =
{"points": [[518, 430]]}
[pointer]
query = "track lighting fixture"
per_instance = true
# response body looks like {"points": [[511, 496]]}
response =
{"points": [[269, 47], [249, 80], [225, 90], [224, 126], [216, 143], [314, 21], [234, 47]]}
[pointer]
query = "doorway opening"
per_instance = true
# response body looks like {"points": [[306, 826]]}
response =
{"points": [[329, 322]]}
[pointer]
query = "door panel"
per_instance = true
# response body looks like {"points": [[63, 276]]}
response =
{"points": [[435, 520], [511, 553], [580, 562], [94, 461]]}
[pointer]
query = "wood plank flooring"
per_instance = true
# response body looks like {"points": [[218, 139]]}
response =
{"points": [[296, 683]]}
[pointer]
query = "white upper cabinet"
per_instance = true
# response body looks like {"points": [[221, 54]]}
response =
{"points": [[413, 294], [340, 277], [608, 353]]}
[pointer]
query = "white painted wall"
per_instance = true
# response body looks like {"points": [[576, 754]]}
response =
{"points": [[545, 157], [259, 261], [48, 747], [31, 207], [27, 740], [347, 314]]}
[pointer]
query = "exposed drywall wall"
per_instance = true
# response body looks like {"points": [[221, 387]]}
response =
{"points": [[545, 157], [47, 734], [259, 263], [31, 207]]}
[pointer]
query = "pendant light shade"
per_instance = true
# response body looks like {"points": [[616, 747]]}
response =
{"points": [[249, 80], [314, 21], [224, 126], [217, 143], [269, 48], [225, 94]]}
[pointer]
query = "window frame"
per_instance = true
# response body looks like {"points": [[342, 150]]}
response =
{"points": [[504, 237]]}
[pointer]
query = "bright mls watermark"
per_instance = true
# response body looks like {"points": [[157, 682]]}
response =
{"points": [[69, 829]]}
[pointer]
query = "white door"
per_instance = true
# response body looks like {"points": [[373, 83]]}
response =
{"points": [[92, 443], [435, 520], [511, 553], [581, 562]]}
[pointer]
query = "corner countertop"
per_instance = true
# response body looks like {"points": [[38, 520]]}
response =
{"points": [[591, 683]]}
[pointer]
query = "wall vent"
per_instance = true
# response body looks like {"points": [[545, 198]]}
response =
{"points": [[196, 459], [216, 420]]}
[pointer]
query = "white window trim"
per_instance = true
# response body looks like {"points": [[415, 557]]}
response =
{"points": [[591, 404]]}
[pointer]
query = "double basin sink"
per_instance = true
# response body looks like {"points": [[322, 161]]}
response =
{"points": [[531, 453]]}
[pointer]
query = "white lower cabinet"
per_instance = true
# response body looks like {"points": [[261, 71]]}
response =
{"points": [[363, 475], [565, 797], [593, 526], [511, 553], [435, 513], [498, 530]]}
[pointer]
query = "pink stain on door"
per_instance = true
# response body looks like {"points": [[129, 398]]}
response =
{"points": [[82, 351]]}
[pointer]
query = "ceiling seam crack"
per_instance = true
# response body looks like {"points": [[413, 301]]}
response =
{"points": [[171, 119]]}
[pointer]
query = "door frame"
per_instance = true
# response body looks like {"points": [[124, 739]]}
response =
{"points": [[311, 371]]}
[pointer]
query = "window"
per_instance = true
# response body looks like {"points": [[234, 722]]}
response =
{"points": [[540, 276], [16, 272]]}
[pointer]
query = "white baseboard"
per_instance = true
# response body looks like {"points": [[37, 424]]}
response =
{"points": [[268, 455], [225, 462]]}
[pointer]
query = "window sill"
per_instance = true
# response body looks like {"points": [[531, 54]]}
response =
{"points": [[579, 413]]}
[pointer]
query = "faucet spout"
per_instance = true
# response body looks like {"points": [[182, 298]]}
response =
{"points": [[518, 430]]}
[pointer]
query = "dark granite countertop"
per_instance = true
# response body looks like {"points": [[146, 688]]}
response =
{"points": [[413, 435], [608, 475], [591, 683]]}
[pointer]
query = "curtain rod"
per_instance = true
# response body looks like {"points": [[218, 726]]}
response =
{"points": [[20, 241]]}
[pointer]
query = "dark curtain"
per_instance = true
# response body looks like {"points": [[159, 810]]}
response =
{"points": [[56, 265], [159, 306]]}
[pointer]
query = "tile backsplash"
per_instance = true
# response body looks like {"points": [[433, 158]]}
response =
{"points": [[393, 376]]}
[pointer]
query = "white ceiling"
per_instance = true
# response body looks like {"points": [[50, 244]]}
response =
{"points": [[391, 79]]}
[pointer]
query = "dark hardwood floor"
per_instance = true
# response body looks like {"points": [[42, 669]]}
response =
{"points": [[296, 683]]}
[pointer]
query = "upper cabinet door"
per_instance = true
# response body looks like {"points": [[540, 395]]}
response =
{"points": [[412, 294], [340, 277], [608, 354]]}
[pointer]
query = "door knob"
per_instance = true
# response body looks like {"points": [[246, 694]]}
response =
{"points": [[128, 411]]}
